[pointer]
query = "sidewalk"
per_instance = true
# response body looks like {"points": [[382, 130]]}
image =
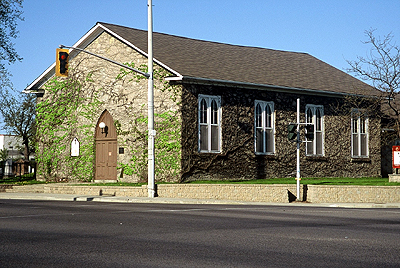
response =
{"points": [[121, 199]]}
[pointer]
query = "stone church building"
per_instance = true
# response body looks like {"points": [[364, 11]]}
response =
{"points": [[221, 112]]}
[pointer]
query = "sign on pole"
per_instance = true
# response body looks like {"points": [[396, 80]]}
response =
{"points": [[396, 156]]}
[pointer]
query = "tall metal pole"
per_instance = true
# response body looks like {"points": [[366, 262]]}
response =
{"points": [[150, 105], [298, 150]]}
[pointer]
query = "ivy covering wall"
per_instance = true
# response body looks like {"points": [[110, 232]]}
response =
{"points": [[64, 113], [167, 123], [71, 107]]}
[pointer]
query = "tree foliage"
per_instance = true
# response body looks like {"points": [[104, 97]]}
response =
{"points": [[19, 117], [381, 67], [10, 13]]}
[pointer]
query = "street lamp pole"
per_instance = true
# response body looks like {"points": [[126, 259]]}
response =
{"points": [[298, 177], [150, 105]]}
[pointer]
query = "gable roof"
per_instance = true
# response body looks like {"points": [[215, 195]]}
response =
{"points": [[192, 59]]}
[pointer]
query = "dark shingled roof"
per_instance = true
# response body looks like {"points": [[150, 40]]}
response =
{"points": [[218, 61]]}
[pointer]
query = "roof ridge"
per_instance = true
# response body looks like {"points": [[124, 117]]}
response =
{"points": [[216, 61], [203, 40]]}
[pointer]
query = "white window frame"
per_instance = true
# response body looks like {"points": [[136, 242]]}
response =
{"points": [[313, 148], [359, 134], [264, 123], [209, 121]]}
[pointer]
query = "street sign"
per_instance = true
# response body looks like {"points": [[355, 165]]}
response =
{"points": [[396, 156]]}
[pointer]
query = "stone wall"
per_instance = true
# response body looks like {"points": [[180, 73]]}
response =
{"points": [[352, 194], [251, 192], [274, 193], [238, 160], [125, 98]]}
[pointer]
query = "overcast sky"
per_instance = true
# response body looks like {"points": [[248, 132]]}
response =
{"points": [[331, 30]]}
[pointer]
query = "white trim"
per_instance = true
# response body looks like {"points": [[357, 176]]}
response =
{"points": [[264, 105], [139, 50], [209, 99], [43, 78], [313, 109], [358, 113], [91, 35], [174, 78], [83, 42]]}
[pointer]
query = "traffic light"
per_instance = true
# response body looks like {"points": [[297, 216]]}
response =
{"points": [[292, 131], [310, 132], [62, 58]]}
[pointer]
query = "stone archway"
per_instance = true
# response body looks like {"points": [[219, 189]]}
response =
{"points": [[106, 149]]}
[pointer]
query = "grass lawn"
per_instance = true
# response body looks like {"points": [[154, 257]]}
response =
{"points": [[374, 181], [20, 180]]}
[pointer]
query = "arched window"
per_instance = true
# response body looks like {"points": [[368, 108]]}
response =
{"points": [[203, 111], [315, 115], [264, 127], [209, 123], [359, 134]]}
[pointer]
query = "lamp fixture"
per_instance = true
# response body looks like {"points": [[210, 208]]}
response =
{"points": [[102, 126]]}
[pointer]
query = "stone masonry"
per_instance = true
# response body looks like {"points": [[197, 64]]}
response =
{"points": [[275, 193], [126, 101]]}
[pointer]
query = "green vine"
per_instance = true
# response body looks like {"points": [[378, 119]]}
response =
{"points": [[58, 117], [167, 147], [70, 109], [159, 75], [167, 126]]}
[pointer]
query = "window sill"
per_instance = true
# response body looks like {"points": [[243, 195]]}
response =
{"points": [[361, 160], [211, 152], [316, 158], [267, 156]]}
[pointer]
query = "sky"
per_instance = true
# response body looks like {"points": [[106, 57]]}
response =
{"points": [[330, 30]]}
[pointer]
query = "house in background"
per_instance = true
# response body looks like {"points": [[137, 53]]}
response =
{"points": [[222, 112], [13, 144]]}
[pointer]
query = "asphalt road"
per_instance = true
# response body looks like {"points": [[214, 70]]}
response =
{"points": [[95, 234]]}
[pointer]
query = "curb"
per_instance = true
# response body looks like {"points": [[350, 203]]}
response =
{"points": [[159, 200]]}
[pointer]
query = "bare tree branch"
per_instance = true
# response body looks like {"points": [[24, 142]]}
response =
{"points": [[381, 67]]}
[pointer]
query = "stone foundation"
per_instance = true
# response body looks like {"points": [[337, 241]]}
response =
{"points": [[273, 193], [394, 177]]}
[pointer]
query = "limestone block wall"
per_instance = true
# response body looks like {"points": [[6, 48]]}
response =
{"points": [[280, 193], [238, 160], [353, 194], [124, 97], [96, 190], [274, 193]]}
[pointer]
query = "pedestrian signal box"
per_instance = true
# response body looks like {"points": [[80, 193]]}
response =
{"points": [[292, 131], [310, 132]]}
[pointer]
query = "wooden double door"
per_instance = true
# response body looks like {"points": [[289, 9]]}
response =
{"points": [[106, 148]]}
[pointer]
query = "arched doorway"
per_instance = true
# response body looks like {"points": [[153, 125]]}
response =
{"points": [[106, 148]]}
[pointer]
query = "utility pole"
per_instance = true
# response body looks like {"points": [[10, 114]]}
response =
{"points": [[150, 105], [298, 178], [294, 135]]}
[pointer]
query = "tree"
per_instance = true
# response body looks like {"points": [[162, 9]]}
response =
{"points": [[382, 67], [10, 13], [19, 117]]}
